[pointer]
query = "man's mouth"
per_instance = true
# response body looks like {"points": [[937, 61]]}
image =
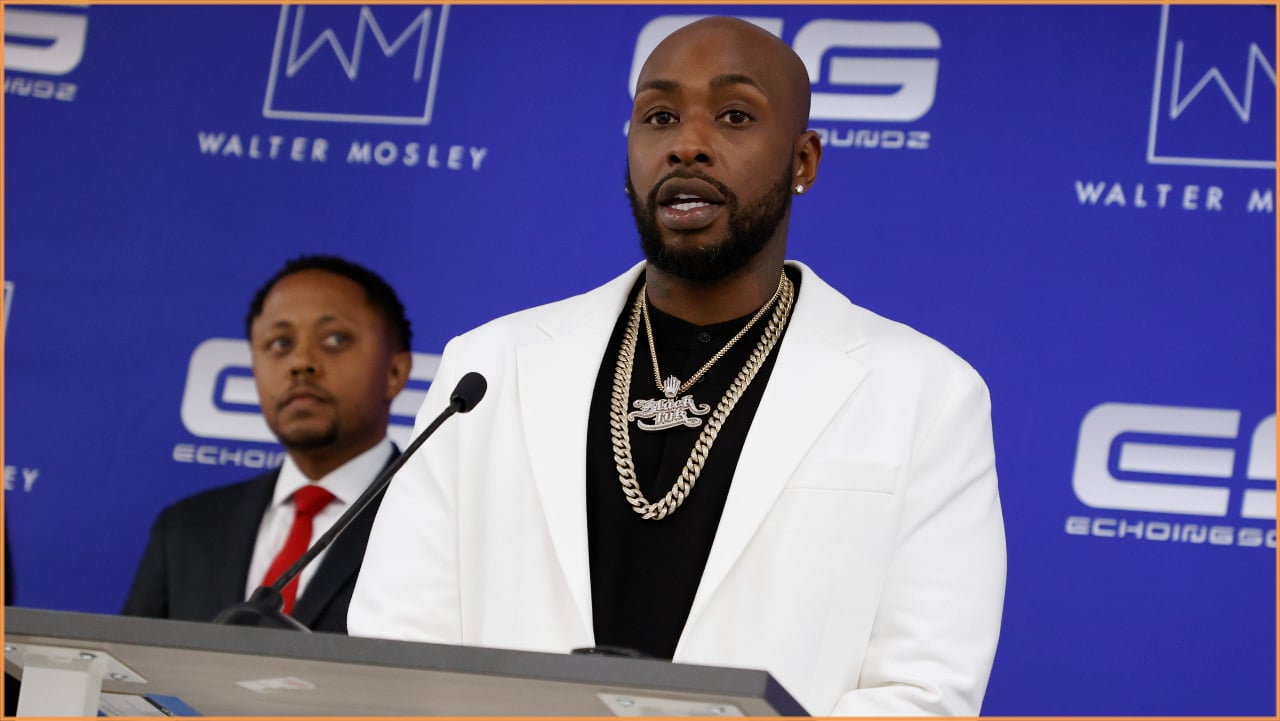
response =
{"points": [[686, 213], [688, 204], [680, 190]]}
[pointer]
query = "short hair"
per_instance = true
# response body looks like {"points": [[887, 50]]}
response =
{"points": [[377, 291]]}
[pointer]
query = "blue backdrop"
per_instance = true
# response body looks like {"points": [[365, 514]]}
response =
{"points": [[1078, 200]]}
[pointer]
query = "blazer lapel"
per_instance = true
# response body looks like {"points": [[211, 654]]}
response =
{"points": [[340, 562], [241, 538], [812, 378], [555, 385]]}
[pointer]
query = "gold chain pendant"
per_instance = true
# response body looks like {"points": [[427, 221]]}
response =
{"points": [[672, 412], [619, 428], [668, 412]]}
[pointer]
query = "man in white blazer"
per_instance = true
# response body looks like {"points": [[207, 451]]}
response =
{"points": [[715, 457]]}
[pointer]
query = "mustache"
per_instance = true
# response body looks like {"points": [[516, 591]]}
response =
{"points": [[301, 388], [689, 174]]}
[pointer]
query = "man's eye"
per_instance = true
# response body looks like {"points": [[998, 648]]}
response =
{"points": [[662, 117], [279, 344], [736, 117], [337, 340]]}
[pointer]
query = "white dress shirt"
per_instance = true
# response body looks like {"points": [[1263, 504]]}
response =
{"points": [[346, 483]]}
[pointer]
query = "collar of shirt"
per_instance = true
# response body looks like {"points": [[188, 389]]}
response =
{"points": [[346, 482]]}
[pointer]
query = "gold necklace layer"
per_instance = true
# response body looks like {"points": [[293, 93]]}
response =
{"points": [[670, 411], [653, 349], [618, 425]]}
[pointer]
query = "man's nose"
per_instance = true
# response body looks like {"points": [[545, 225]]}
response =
{"points": [[302, 362], [691, 145], [303, 369]]}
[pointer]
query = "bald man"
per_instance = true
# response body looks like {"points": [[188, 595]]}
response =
{"points": [[714, 458]]}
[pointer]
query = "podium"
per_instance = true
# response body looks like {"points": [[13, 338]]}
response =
{"points": [[241, 671]]}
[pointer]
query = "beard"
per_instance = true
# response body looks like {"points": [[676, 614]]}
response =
{"points": [[308, 440], [751, 227], [304, 436]]}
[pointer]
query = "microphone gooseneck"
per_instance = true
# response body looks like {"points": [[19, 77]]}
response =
{"points": [[264, 607]]}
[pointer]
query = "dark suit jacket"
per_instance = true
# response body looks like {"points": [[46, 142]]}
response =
{"points": [[197, 560]]}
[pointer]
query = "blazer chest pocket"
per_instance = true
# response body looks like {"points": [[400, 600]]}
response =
{"points": [[839, 475]]}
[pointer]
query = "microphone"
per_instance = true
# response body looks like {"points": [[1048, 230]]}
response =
{"points": [[264, 606], [468, 392]]}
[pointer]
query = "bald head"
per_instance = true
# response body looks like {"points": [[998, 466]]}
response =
{"points": [[761, 57]]}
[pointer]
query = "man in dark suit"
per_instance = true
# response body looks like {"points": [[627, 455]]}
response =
{"points": [[330, 347]]}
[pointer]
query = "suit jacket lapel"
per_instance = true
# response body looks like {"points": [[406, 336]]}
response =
{"points": [[242, 537], [555, 386], [812, 378], [340, 562]]}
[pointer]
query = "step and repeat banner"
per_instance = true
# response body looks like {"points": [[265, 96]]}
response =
{"points": [[1078, 200]]}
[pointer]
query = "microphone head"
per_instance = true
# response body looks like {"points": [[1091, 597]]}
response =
{"points": [[468, 392]]}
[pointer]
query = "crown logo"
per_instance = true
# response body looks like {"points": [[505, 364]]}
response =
{"points": [[671, 386]]}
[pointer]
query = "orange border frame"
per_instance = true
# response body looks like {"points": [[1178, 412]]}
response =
{"points": [[660, 2]]}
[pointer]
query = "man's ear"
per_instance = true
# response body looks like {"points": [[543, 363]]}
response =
{"points": [[808, 153], [398, 373]]}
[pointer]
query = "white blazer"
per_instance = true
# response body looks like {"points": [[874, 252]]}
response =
{"points": [[860, 557]]}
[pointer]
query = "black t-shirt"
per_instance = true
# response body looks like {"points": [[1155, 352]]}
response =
{"points": [[644, 573]]}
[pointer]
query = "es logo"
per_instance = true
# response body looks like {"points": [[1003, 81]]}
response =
{"points": [[220, 400], [840, 56], [43, 41], [387, 75], [1187, 444]]}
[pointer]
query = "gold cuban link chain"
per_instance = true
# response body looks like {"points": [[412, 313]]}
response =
{"points": [[697, 457]]}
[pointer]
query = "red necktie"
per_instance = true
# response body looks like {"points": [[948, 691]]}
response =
{"points": [[307, 502]]}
